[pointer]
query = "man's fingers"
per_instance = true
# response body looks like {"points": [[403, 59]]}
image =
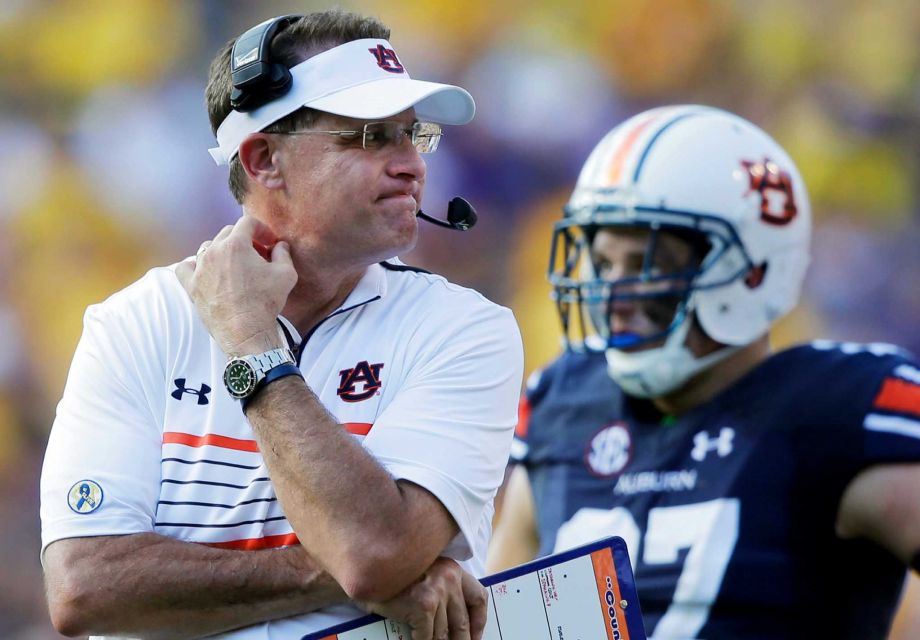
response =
{"points": [[423, 606], [247, 228], [477, 604], [226, 231], [264, 235], [458, 620], [440, 626], [201, 249], [422, 624], [281, 254], [478, 617]]}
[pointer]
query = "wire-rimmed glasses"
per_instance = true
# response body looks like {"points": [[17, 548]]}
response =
{"points": [[425, 136]]}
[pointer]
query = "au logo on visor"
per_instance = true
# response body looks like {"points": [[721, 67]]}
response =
{"points": [[85, 496], [386, 59]]}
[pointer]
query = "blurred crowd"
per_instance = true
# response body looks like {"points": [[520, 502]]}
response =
{"points": [[105, 172]]}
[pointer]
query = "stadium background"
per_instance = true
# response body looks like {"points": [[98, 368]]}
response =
{"points": [[104, 171]]}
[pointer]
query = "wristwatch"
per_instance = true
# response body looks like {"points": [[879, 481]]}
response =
{"points": [[243, 376]]}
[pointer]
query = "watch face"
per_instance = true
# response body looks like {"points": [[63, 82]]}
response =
{"points": [[240, 378]]}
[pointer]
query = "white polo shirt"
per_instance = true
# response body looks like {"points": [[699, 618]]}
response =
{"points": [[426, 373]]}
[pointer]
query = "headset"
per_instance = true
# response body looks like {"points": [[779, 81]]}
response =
{"points": [[257, 81], [461, 216]]}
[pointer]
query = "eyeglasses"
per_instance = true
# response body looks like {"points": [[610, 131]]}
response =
{"points": [[425, 136]]}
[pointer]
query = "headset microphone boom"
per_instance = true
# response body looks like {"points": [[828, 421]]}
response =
{"points": [[461, 215]]}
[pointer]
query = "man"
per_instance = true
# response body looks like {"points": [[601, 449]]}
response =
{"points": [[761, 495], [292, 419]]}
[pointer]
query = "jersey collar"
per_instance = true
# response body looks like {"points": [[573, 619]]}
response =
{"points": [[372, 286]]}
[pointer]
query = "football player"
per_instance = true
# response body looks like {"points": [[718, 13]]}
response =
{"points": [[762, 495]]}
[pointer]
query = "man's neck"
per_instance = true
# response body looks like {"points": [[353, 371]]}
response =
{"points": [[323, 282], [709, 383], [317, 294]]}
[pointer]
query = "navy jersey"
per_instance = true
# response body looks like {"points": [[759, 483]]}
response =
{"points": [[729, 510]]}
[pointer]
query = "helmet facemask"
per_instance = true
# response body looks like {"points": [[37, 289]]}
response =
{"points": [[640, 307]]}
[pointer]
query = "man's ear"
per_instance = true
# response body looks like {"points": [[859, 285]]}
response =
{"points": [[257, 155]]}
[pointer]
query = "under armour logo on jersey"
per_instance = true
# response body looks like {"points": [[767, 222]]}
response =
{"points": [[777, 202], [386, 59], [367, 375], [721, 444], [181, 389]]}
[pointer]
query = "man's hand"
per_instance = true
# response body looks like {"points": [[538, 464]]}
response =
{"points": [[447, 603], [238, 293]]}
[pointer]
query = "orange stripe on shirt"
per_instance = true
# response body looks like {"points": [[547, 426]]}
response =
{"points": [[358, 428], [619, 158], [254, 544], [226, 442], [899, 395], [213, 440], [523, 422]]}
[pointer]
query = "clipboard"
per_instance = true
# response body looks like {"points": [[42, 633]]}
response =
{"points": [[585, 593]]}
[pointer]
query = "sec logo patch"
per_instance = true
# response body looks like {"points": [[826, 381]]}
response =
{"points": [[609, 450], [85, 497]]}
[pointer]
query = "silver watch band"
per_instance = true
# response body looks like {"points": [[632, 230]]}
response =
{"points": [[263, 362]]}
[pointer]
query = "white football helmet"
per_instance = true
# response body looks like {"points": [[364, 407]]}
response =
{"points": [[696, 171]]}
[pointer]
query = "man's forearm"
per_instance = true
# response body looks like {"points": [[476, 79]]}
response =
{"points": [[151, 586], [374, 535]]}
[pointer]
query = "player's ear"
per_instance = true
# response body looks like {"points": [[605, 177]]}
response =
{"points": [[260, 162]]}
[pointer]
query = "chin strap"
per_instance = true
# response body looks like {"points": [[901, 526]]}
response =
{"points": [[656, 372]]}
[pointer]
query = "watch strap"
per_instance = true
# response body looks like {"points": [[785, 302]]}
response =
{"points": [[271, 359], [275, 373]]}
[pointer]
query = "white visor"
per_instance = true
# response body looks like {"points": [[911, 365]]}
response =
{"points": [[361, 79]]}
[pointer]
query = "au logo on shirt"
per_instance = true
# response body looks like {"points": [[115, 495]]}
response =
{"points": [[85, 496], [367, 375]]}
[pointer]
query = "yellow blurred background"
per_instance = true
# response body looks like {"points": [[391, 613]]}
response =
{"points": [[105, 172]]}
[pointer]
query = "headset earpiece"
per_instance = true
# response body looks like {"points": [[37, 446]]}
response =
{"points": [[256, 79]]}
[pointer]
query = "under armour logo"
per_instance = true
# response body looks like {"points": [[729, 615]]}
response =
{"points": [[703, 444], [182, 389], [386, 59], [363, 373]]}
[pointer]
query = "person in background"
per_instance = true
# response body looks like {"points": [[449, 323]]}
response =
{"points": [[292, 427], [761, 494]]}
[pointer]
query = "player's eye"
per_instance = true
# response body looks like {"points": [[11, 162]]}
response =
{"points": [[602, 267]]}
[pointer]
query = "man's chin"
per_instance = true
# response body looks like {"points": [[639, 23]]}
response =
{"points": [[401, 244]]}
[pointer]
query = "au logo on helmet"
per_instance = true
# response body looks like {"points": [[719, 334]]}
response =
{"points": [[777, 202]]}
